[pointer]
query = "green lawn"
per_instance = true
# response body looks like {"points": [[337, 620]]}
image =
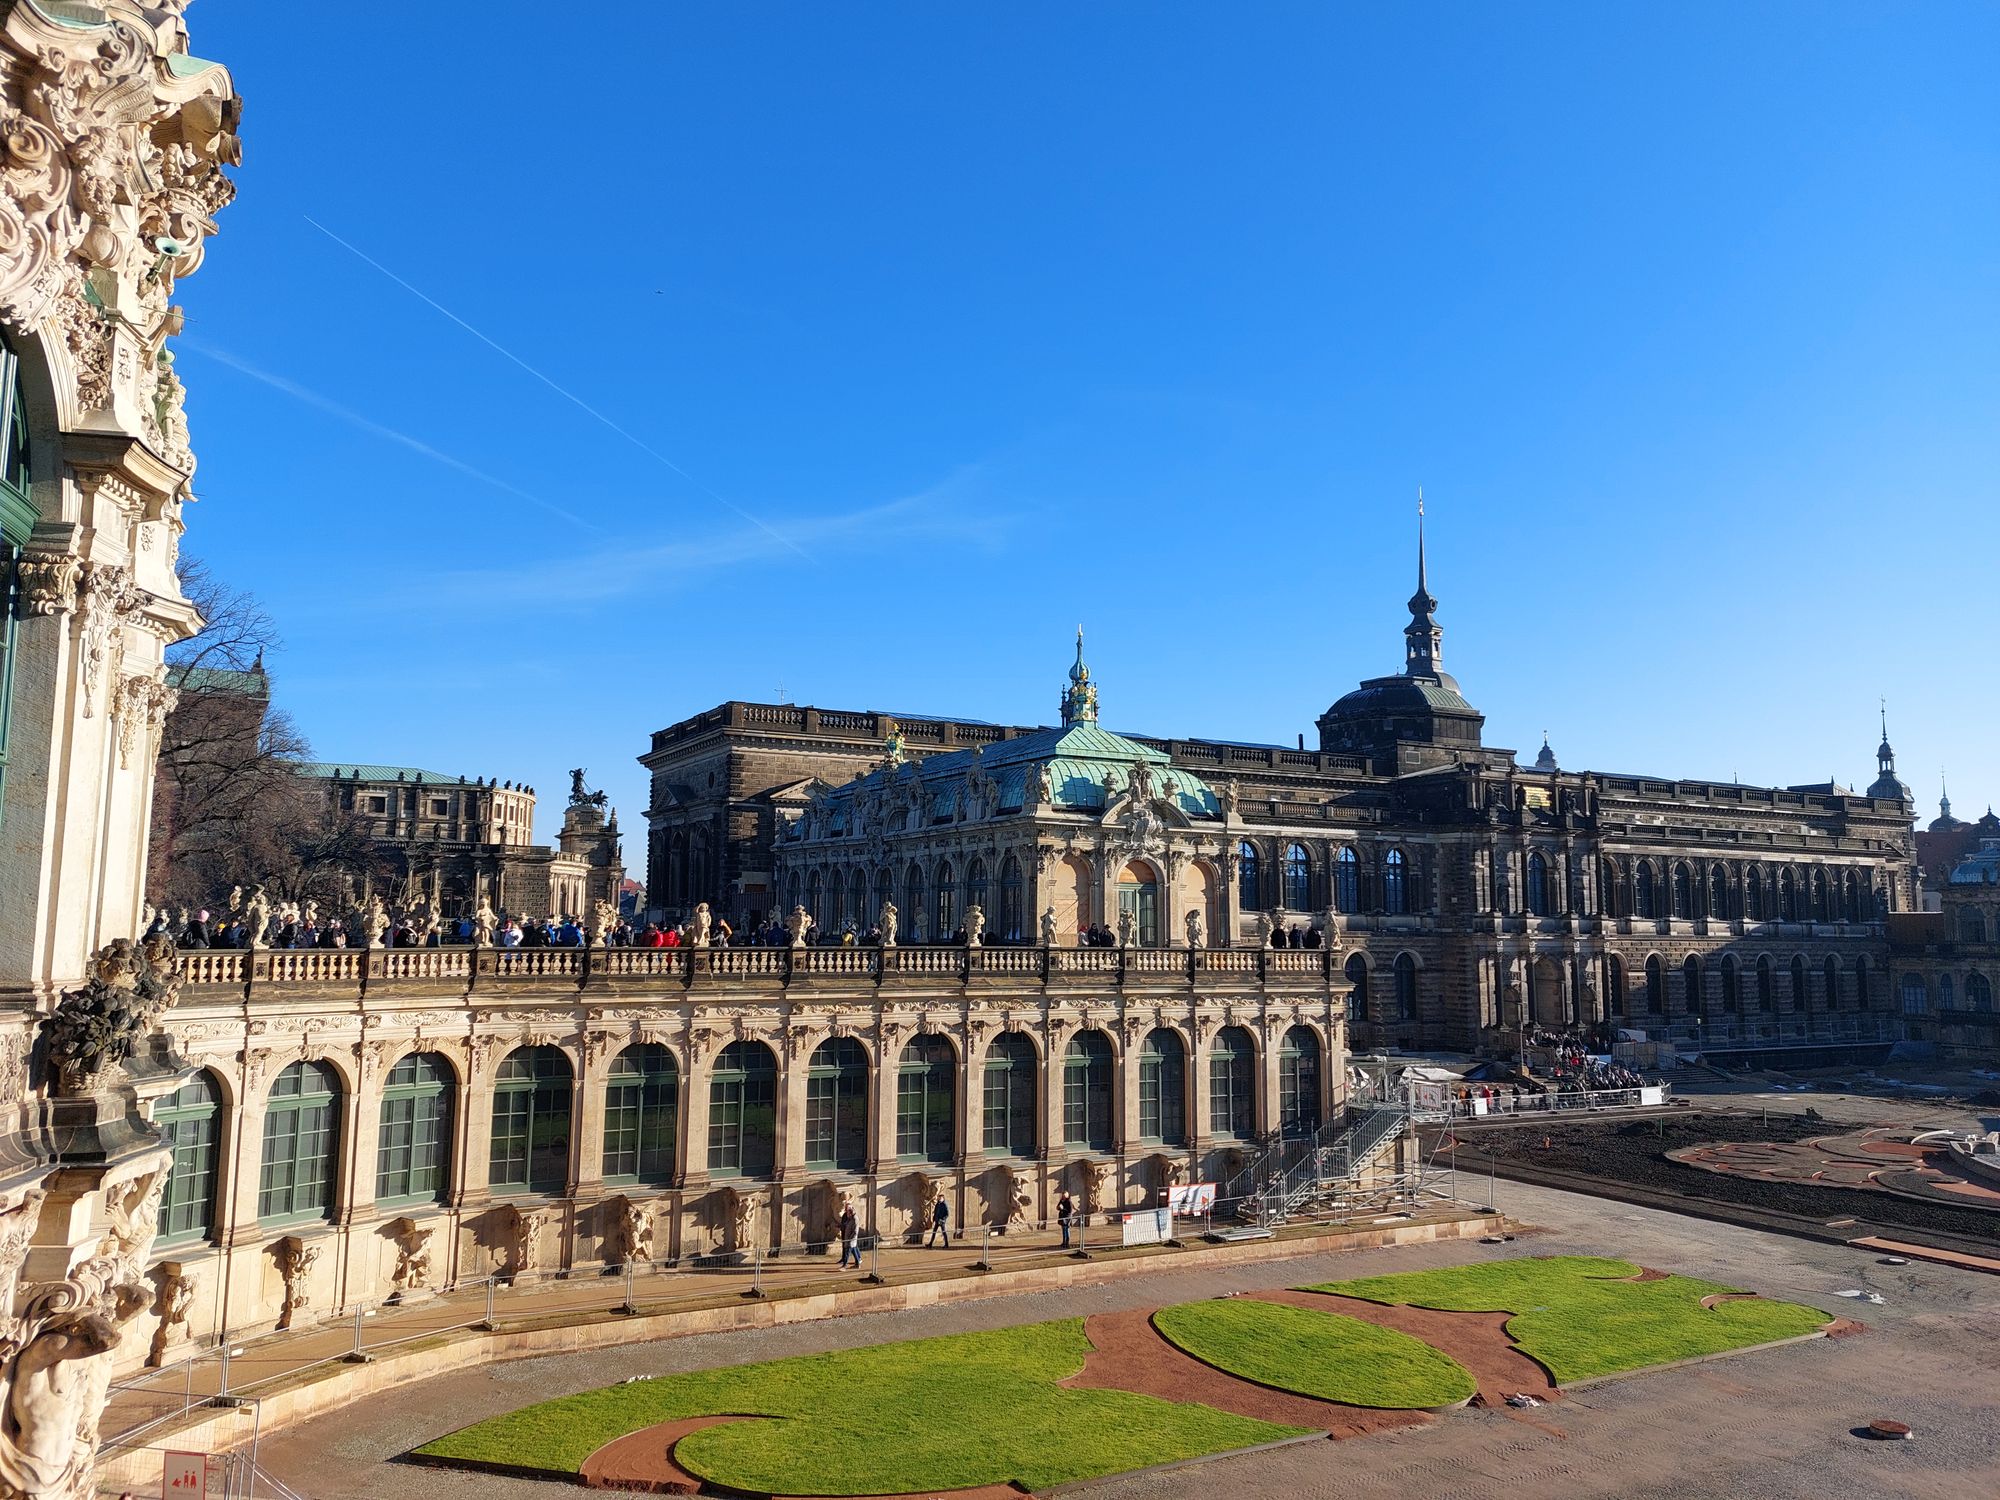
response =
{"points": [[933, 1414], [1574, 1315], [1315, 1353]]}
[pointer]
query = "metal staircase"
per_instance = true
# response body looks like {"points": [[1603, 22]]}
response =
{"points": [[1291, 1173]]}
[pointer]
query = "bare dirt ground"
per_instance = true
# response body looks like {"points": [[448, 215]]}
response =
{"points": [[1776, 1424]]}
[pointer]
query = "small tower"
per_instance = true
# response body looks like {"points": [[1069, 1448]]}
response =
{"points": [[1546, 761], [1423, 653], [1886, 783], [1079, 701]]}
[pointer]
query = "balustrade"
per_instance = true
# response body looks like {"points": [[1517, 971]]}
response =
{"points": [[308, 966]]}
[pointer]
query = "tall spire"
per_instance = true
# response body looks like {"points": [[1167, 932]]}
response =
{"points": [[1079, 703], [1944, 798], [1423, 653]]}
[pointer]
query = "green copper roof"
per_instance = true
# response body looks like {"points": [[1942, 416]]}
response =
{"points": [[326, 770]]}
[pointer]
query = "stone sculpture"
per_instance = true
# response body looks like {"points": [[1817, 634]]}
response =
{"points": [[603, 918], [1128, 928], [295, 1262], [374, 922], [257, 919], [1049, 928], [174, 1302], [93, 1030], [484, 921], [632, 1233], [885, 924], [700, 925], [975, 926], [413, 1259], [1194, 934], [799, 924], [1045, 785]]}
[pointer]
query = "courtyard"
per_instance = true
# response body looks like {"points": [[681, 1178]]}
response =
{"points": [[1771, 1421]]}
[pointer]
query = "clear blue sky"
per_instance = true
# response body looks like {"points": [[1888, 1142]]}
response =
{"points": [[972, 323]]}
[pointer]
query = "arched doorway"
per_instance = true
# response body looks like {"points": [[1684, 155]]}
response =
{"points": [[1545, 993], [1069, 897], [1139, 898]]}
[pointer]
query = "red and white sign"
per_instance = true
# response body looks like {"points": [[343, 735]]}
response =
{"points": [[185, 1477], [1190, 1199]]}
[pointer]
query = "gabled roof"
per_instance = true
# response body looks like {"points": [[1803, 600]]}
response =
{"points": [[326, 770]]}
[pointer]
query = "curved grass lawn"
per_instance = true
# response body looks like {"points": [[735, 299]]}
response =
{"points": [[934, 1414], [1577, 1316], [1316, 1353]]}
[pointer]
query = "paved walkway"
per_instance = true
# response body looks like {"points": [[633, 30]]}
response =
{"points": [[1776, 1424]]}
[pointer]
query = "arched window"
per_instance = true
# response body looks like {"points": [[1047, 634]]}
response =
{"points": [[1395, 884], [1767, 986], [1801, 998], [1298, 1082], [1656, 986], [1347, 881], [1718, 892], [188, 1120], [531, 1115], [1163, 1087], [1971, 927], [1232, 1082], [1732, 985], [816, 900], [863, 918], [1538, 885], [1788, 895], [413, 1143], [1614, 985], [1978, 993], [975, 888], [794, 891], [1087, 1092], [926, 1101], [1691, 985], [1831, 970], [885, 893], [1916, 995], [1945, 1001], [1683, 891], [1819, 897], [1357, 992], [913, 903], [1013, 927], [1298, 878], [1406, 987], [743, 1112], [837, 1106], [301, 1131], [947, 902], [1010, 1095], [1645, 902], [1249, 891], [1753, 894], [642, 1105], [1139, 897], [18, 515]]}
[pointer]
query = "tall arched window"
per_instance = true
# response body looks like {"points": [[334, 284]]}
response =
{"points": [[531, 1115], [1395, 884], [1767, 986], [1916, 995], [1691, 985], [1163, 1087], [1788, 895], [1347, 881], [1656, 986], [1298, 878], [1801, 997], [1614, 985], [413, 1142], [1406, 987], [1830, 1000], [947, 902], [1010, 1095], [18, 515], [1819, 896], [301, 1130], [1945, 1001], [188, 1119], [1232, 1083], [743, 1111], [1732, 985], [885, 893], [1645, 902], [1087, 1092], [816, 899], [975, 888], [1013, 925], [1298, 1082], [642, 1106], [1978, 993], [926, 1101], [1538, 885], [1357, 987], [1753, 894], [1718, 892], [913, 903], [1249, 889], [1683, 891], [837, 1106]]}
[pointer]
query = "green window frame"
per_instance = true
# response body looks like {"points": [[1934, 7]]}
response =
{"points": [[295, 1179], [743, 1112], [533, 1100], [1232, 1081], [1087, 1092], [642, 1103], [1298, 1082], [1163, 1088], [1008, 1124], [18, 516], [837, 1106], [926, 1099], [413, 1141], [190, 1120]]}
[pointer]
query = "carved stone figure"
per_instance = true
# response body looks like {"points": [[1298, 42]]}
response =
{"points": [[1263, 930], [1194, 933], [374, 922], [700, 925], [632, 1233], [603, 918], [1094, 1178], [484, 921], [175, 1301], [1164, 1172], [742, 1213], [885, 923], [975, 926], [516, 1248], [1045, 785], [1128, 928], [1142, 782], [799, 924], [1014, 1202], [310, 914], [413, 1258], [1049, 928], [1229, 799], [257, 919], [94, 1029], [295, 1262]]}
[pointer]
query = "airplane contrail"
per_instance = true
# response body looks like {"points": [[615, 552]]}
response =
{"points": [[557, 387], [367, 424]]}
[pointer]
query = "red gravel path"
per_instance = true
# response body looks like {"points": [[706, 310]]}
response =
{"points": [[1477, 1340]]}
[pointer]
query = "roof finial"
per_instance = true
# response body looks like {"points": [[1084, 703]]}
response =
{"points": [[1423, 648], [1079, 703]]}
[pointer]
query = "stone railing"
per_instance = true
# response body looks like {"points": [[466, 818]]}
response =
{"points": [[480, 968]]}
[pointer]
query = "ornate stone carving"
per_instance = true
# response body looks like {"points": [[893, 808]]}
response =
{"points": [[412, 1276], [484, 921], [103, 599], [143, 706], [1194, 933], [631, 1232], [95, 1028], [295, 1260], [172, 1306], [47, 582], [799, 924], [975, 926], [885, 923]]}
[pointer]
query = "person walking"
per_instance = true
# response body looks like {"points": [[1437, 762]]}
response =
{"points": [[940, 1224], [1065, 1211], [850, 1237]]}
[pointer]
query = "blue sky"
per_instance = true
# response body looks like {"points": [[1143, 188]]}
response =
{"points": [[859, 353]]}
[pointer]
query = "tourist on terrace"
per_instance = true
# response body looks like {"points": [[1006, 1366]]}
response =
{"points": [[940, 1225]]}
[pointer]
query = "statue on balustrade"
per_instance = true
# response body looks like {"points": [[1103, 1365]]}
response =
{"points": [[1194, 934], [799, 924], [1049, 928], [700, 925], [975, 926], [885, 924]]}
